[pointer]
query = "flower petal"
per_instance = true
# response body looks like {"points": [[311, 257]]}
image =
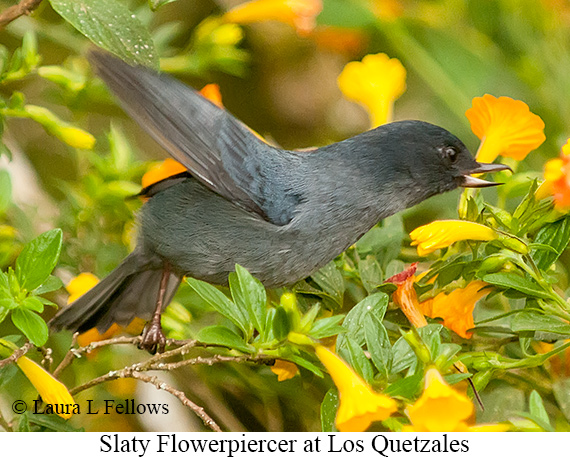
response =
{"points": [[375, 83], [440, 407], [505, 126], [51, 390], [441, 234], [359, 404], [456, 308], [300, 14]]}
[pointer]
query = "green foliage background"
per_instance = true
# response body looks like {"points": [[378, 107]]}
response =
{"points": [[284, 86]]}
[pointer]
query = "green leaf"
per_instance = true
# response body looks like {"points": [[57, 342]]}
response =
{"points": [[110, 25], [378, 344], [305, 364], [331, 281], [533, 321], [220, 303], [249, 294], [52, 422], [51, 284], [5, 191], [536, 407], [407, 387], [32, 303], [351, 351], [38, 259], [24, 423], [309, 317], [31, 325], [370, 273], [403, 356], [329, 407], [6, 300], [507, 280], [224, 336], [281, 324], [328, 326], [155, 4], [376, 304], [556, 235]]}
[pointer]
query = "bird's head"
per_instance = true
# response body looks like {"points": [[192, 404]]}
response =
{"points": [[433, 158]]}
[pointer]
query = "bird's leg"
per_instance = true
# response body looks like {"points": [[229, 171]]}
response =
{"points": [[153, 339]]}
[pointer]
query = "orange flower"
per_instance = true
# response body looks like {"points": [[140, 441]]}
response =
{"points": [[340, 39], [557, 179], [405, 296], [212, 93], [284, 370], [170, 167], [456, 308], [300, 14], [375, 83], [359, 404], [506, 127], [162, 170]]}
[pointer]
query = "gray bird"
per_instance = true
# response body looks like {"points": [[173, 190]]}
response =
{"points": [[281, 214]]}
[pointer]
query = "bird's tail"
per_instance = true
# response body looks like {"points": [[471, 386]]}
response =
{"points": [[129, 291]]}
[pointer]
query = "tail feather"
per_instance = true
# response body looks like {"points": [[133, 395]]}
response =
{"points": [[129, 291]]}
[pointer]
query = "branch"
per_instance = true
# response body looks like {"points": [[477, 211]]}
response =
{"points": [[25, 7], [16, 355], [198, 410]]}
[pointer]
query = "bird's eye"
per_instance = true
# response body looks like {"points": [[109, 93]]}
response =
{"points": [[450, 153]]}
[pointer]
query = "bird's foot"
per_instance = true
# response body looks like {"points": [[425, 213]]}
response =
{"points": [[153, 339]]}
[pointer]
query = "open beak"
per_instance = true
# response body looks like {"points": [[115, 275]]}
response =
{"points": [[471, 181]]}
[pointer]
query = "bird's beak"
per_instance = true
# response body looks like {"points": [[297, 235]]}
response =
{"points": [[471, 181]]}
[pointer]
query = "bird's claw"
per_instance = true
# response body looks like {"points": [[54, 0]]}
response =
{"points": [[153, 339]]}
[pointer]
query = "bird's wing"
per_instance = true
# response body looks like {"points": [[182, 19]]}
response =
{"points": [[215, 147]]}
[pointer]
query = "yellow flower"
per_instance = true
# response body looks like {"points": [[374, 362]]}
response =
{"points": [[300, 14], [440, 407], [359, 404], [79, 285], [441, 234], [375, 83], [557, 179], [284, 370], [456, 308], [506, 127], [405, 296], [52, 391]]}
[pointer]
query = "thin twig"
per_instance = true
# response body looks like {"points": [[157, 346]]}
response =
{"points": [[198, 410], [16, 354], [25, 7], [156, 363]]}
